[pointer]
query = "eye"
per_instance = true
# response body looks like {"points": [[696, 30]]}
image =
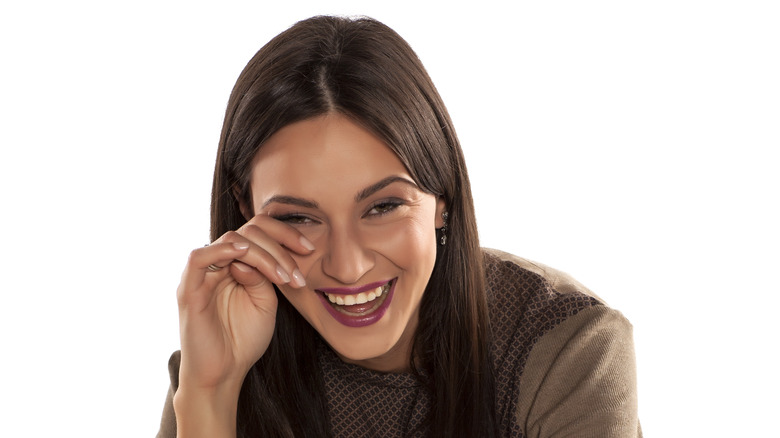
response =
{"points": [[295, 219], [383, 207]]}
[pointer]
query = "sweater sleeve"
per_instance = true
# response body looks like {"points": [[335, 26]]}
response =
{"points": [[580, 379], [168, 421]]}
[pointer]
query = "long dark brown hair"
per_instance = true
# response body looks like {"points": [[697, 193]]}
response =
{"points": [[364, 70]]}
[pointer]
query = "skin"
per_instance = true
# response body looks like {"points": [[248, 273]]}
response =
{"points": [[388, 234], [334, 239]]}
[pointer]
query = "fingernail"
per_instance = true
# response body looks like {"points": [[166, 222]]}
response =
{"points": [[282, 274], [308, 245], [242, 267], [240, 245], [298, 280]]}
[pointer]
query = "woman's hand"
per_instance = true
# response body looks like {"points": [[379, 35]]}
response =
{"points": [[227, 303]]}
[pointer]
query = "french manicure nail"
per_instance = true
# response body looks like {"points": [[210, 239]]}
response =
{"points": [[308, 245], [240, 245], [282, 274], [298, 280]]}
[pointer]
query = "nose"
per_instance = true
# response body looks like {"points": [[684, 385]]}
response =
{"points": [[346, 259]]}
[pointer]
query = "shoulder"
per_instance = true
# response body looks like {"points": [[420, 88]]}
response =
{"points": [[527, 299], [502, 267], [529, 288], [567, 356]]}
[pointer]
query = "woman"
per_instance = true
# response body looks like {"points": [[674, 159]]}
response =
{"points": [[345, 293]]}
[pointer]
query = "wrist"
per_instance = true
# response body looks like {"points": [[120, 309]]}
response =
{"points": [[206, 412]]}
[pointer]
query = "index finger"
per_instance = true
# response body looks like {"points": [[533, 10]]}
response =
{"points": [[285, 234]]}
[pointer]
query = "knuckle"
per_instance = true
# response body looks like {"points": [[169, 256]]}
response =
{"points": [[247, 229], [193, 255]]}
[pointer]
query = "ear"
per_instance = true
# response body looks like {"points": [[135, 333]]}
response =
{"points": [[441, 207]]}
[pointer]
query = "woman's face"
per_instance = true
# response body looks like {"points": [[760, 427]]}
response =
{"points": [[372, 227]]}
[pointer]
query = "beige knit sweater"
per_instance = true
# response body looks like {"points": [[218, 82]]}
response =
{"points": [[564, 365]]}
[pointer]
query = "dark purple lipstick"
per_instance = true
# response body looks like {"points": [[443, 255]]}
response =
{"points": [[344, 306]]}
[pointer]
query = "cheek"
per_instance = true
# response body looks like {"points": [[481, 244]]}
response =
{"points": [[304, 301], [315, 234], [407, 243]]}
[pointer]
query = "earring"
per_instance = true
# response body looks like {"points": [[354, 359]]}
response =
{"points": [[443, 239]]}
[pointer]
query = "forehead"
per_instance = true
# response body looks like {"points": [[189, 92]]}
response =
{"points": [[322, 156]]}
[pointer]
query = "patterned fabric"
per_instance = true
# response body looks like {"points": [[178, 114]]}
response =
{"points": [[523, 307], [364, 403]]}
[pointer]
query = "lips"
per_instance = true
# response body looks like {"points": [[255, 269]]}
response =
{"points": [[358, 307]]}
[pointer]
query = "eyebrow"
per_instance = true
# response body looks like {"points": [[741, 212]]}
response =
{"points": [[373, 188], [291, 200], [361, 195]]}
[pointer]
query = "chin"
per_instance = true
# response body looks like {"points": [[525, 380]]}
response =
{"points": [[380, 339], [361, 348]]}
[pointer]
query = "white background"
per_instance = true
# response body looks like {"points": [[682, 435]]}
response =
{"points": [[631, 144]]}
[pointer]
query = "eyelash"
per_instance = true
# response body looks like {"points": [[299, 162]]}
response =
{"points": [[382, 207], [387, 206], [294, 218]]}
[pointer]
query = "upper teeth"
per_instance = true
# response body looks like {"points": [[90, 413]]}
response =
{"points": [[362, 297]]}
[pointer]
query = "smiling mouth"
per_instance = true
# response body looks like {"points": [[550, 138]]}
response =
{"points": [[360, 304]]}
